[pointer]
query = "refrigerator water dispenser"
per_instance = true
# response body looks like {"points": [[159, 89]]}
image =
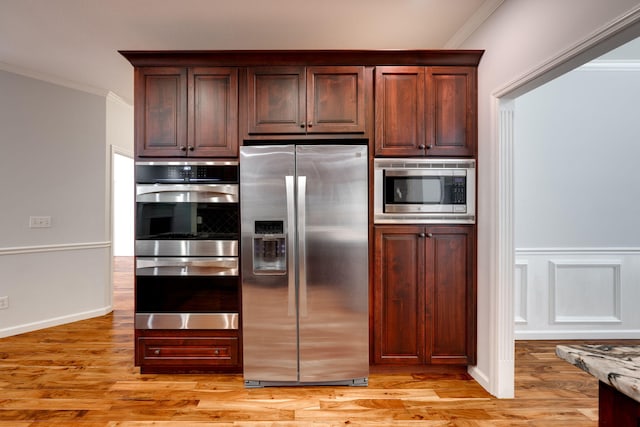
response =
{"points": [[269, 248]]}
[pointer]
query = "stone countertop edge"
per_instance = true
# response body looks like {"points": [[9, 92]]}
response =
{"points": [[617, 366]]}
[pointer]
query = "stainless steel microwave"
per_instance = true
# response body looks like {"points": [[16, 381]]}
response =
{"points": [[439, 191]]}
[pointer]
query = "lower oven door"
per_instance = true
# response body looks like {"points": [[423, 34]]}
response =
{"points": [[187, 293]]}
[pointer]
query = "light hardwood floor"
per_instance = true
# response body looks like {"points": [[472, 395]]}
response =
{"points": [[82, 374]]}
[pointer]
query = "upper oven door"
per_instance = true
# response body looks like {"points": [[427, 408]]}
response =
{"points": [[187, 220]]}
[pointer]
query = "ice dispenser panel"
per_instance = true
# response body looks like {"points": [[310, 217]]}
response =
{"points": [[269, 248]]}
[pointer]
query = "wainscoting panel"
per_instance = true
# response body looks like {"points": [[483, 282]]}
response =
{"points": [[585, 293], [520, 293]]}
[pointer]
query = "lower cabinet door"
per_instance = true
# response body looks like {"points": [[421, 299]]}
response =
{"points": [[424, 295], [399, 296], [187, 351]]}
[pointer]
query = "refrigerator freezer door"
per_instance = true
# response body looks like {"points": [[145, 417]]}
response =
{"points": [[269, 321], [333, 259]]}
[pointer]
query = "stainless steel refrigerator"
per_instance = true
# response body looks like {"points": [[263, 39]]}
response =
{"points": [[304, 240]]}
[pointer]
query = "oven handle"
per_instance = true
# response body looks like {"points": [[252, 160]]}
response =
{"points": [[191, 266], [186, 193]]}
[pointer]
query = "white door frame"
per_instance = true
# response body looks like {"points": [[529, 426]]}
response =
{"points": [[502, 116]]}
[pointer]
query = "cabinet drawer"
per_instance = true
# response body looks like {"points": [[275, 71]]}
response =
{"points": [[192, 351]]}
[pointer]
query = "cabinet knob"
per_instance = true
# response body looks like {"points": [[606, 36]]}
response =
{"points": [[425, 235], [191, 147], [216, 352], [183, 148], [421, 146], [310, 124], [156, 351], [421, 235], [429, 235], [429, 147], [302, 125]]}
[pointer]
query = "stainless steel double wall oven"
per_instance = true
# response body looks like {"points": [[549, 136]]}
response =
{"points": [[186, 230]]}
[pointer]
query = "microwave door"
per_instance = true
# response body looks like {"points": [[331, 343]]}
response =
{"points": [[415, 193]]}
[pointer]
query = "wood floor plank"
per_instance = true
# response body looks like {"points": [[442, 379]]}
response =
{"points": [[82, 374]]}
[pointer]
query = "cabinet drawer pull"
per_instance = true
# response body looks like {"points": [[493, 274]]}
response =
{"points": [[156, 351], [216, 352]]}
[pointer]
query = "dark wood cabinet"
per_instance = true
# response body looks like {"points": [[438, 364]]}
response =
{"points": [[425, 111], [159, 351], [424, 297], [186, 112], [409, 103], [306, 100]]}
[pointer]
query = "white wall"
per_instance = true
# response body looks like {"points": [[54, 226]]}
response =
{"points": [[520, 38], [577, 205], [53, 164]]}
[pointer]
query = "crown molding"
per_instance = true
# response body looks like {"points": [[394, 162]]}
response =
{"points": [[611, 65], [111, 96], [53, 79], [472, 24]]}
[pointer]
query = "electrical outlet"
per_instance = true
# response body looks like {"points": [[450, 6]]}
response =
{"points": [[39, 221], [4, 303]]}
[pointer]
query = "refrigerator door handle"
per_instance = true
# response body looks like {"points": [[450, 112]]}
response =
{"points": [[302, 243], [291, 234]]}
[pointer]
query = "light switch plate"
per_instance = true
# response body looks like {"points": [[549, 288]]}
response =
{"points": [[39, 221]]}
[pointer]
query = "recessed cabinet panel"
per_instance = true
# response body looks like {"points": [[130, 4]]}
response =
{"points": [[399, 298], [451, 111], [400, 111], [160, 111], [449, 278], [335, 100], [213, 116], [276, 100]]}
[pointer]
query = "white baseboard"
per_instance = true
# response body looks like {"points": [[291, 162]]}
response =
{"points": [[577, 335], [48, 323]]}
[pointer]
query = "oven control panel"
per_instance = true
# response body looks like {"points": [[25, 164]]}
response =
{"points": [[186, 172]]}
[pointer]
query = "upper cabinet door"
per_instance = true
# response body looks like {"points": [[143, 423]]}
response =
{"points": [[335, 100], [306, 100], [161, 111], [451, 111], [425, 111], [400, 111], [213, 112], [276, 100], [186, 112]]}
